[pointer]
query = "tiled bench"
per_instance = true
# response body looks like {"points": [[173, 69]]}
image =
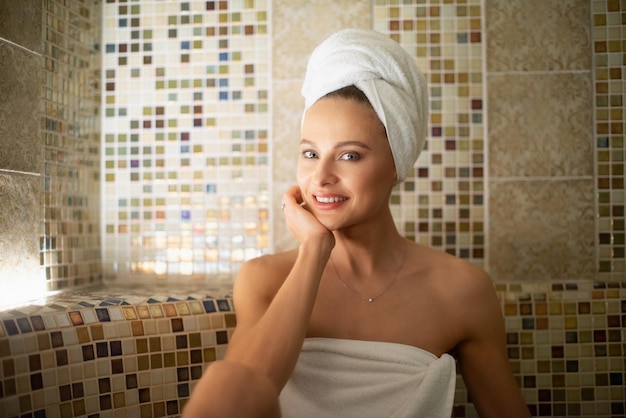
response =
{"points": [[138, 352], [110, 353]]}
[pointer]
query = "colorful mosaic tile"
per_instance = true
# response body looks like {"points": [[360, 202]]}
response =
{"points": [[565, 343], [70, 237], [54, 364], [442, 204], [609, 67], [186, 175]]}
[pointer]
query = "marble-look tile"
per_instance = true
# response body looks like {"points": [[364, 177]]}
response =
{"points": [[283, 240], [20, 224], [541, 230], [540, 125], [538, 35], [298, 26], [21, 23], [288, 107], [20, 117]]}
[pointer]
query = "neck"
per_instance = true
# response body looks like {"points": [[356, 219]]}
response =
{"points": [[369, 254]]}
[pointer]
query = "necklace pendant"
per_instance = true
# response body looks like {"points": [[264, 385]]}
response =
{"points": [[370, 300]]}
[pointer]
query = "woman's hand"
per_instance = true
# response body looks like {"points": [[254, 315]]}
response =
{"points": [[301, 222]]}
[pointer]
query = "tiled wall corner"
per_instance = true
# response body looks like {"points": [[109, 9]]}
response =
{"points": [[70, 101]]}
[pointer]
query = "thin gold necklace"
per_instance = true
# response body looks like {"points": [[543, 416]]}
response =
{"points": [[371, 299]]}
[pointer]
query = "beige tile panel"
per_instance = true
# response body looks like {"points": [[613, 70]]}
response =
{"points": [[20, 87], [537, 35], [298, 26], [288, 106], [283, 240], [541, 230], [540, 125], [20, 220], [21, 22]]}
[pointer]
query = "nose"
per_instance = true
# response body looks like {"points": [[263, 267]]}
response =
{"points": [[325, 172]]}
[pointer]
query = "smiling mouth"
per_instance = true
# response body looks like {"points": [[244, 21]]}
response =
{"points": [[330, 199]]}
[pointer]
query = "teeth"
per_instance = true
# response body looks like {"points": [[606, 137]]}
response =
{"points": [[330, 199]]}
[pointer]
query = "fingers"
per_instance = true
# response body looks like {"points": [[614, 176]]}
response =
{"points": [[294, 194]]}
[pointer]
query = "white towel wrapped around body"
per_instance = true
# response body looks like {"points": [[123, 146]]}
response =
{"points": [[351, 378], [389, 78]]}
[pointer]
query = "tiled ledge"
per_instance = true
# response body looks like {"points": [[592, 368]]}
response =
{"points": [[112, 351], [138, 351]]}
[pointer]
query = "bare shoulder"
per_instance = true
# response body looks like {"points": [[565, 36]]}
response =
{"points": [[261, 277], [459, 277], [466, 290]]}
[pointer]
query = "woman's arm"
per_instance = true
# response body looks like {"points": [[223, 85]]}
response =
{"points": [[483, 357], [270, 330], [273, 314], [272, 324]]}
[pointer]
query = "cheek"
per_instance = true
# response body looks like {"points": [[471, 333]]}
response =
{"points": [[302, 175], [382, 179]]}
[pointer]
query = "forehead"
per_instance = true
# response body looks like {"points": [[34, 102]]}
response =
{"points": [[342, 119]]}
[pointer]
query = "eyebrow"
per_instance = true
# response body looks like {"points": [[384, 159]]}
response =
{"points": [[339, 144]]}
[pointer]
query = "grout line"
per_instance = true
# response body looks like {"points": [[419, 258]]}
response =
{"points": [[538, 178], [19, 46], [27, 173]]}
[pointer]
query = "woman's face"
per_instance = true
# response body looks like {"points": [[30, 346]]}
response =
{"points": [[346, 170]]}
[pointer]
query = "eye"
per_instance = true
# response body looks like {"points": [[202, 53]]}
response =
{"points": [[350, 156], [309, 154]]}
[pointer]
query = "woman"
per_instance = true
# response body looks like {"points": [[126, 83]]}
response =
{"points": [[358, 320]]}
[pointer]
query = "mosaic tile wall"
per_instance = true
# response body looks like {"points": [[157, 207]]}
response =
{"points": [[70, 237], [124, 352], [139, 353], [566, 348], [443, 204], [186, 127], [111, 353], [609, 55]]}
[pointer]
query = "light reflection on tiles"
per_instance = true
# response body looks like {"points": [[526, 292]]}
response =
{"points": [[186, 154]]}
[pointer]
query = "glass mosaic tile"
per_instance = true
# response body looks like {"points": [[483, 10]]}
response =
{"points": [[184, 164], [609, 66], [70, 236], [185, 137], [442, 204], [571, 364]]}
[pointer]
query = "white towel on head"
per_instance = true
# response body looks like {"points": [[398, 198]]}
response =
{"points": [[352, 378], [386, 74]]}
